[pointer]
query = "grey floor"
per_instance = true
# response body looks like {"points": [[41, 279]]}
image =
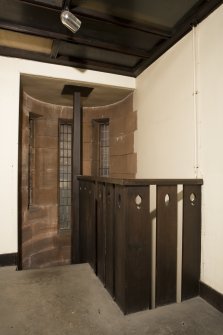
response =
{"points": [[71, 300]]}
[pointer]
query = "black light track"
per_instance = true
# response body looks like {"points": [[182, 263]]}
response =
{"points": [[96, 16]]}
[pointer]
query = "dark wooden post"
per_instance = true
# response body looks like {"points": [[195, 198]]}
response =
{"points": [[132, 245], [101, 232], [77, 170], [166, 244], [191, 260]]}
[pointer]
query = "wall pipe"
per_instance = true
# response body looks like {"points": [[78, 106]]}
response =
{"points": [[195, 104]]}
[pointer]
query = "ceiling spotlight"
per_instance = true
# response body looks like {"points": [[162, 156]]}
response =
{"points": [[69, 19]]}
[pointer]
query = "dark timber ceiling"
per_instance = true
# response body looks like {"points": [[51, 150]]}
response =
{"points": [[116, 36]]}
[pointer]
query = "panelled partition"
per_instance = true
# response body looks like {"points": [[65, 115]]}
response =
{"points": [[142, 238]]}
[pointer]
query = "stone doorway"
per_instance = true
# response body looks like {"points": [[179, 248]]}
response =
{"points": [[41, 241]]}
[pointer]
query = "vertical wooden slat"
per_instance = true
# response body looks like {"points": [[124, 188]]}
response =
{"points": [[87, 223], [166, 245], [100, 233], [91, 227], [179, 240], [152, 209], [109, 222], [120, 246], [76, 170], [191, 241], [132, 248], [82, 217], [20, 216], [138, 253]]}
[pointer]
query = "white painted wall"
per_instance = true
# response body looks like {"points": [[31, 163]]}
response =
{"points": [[210, 102], [10, 70], [164, 101], [166, 139], [9, 115]]}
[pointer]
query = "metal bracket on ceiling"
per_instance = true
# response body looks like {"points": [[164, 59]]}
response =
{"points": [[71, 89], [66, 4], [68, 18]]}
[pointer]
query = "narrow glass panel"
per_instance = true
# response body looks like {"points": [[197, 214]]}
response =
{"points": [[31, 162], [65, 176], [104, 149]]}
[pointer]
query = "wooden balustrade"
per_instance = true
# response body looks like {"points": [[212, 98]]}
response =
{"points": [[116, 238]]}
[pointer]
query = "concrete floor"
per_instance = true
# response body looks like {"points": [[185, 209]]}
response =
{"points": [[71, 300]]}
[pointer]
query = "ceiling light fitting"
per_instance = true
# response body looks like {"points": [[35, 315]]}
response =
{"points": [[69, 19]]}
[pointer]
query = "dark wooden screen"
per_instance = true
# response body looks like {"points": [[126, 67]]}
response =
{"points": [[115, 228]]}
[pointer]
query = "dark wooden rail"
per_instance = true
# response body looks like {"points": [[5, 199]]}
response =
{"points": [[116, 238]]}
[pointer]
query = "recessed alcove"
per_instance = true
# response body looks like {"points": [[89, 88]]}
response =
{"points": [[44, 181]]}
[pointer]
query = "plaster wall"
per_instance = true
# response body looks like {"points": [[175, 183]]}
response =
{"points": [[164, 140], [210, 103], [175, 141]]}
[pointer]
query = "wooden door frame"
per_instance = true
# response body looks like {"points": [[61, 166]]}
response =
{"points": [[76, 171], [19, 185]]}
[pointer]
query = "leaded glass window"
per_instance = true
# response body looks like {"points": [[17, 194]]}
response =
{"points": [[65, 174]]}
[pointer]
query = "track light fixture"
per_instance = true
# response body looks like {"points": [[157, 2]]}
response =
{"points": [[69, 19]]}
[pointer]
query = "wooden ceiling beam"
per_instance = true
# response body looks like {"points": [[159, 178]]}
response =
{"points": [[67, 61], [92, 42]]}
